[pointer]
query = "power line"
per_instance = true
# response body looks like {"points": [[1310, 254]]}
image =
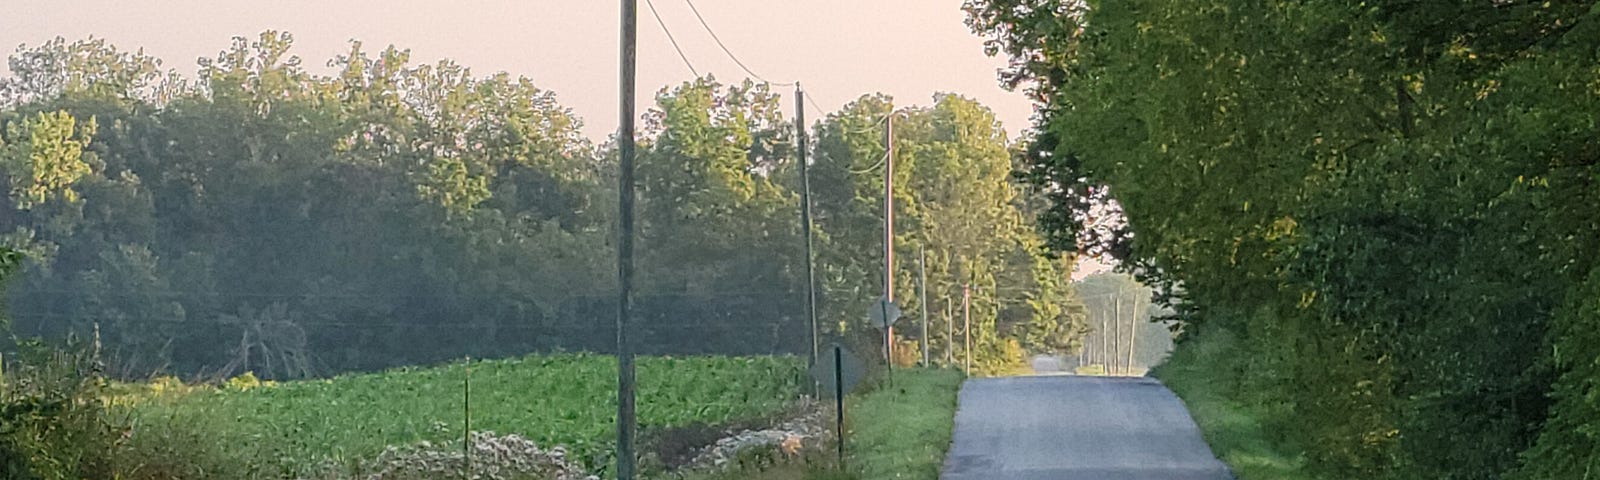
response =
{"points": [[873, 168], [725, 47], [820, 111], [672, 39]]}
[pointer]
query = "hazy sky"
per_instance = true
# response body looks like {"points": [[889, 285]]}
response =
{"points": [[839, 49]]}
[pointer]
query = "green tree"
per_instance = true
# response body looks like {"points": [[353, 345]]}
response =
{"points": [[1380, 201]]}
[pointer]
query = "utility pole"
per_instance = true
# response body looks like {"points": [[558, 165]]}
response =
{"points": [[805, 215], [966, 312], [922, 294], [888, 230], [949, 333], [1133, 329], [1116, 335], [1083, 352], [1105, 346], [625, 149]]}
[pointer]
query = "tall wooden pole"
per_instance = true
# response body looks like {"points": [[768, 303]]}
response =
{"points": [[888, 231], [625, 150], [805, 214], [1116, 334], [949, 333], [966, 312], [1105, 345], [1133, 335], [922, 295]]}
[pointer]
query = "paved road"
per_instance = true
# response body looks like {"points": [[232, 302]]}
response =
{"points": [[1048, 365], [1076, 428]]}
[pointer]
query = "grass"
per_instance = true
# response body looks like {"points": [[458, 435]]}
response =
{"points": [[296, 427], [899, 431], [903, 430], [1235, 430]]}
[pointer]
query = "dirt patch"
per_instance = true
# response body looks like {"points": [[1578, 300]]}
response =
{"points": [[701, 446]]}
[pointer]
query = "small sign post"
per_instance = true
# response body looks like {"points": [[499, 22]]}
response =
{"points": [[838, 371]]}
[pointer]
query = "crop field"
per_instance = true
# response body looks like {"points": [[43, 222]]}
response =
{"points": [[294, 427]]}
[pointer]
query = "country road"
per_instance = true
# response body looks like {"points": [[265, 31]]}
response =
{"points": [[1076, 428]]}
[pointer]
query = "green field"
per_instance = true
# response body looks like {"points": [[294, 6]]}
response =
{"points": [[296, 427]]}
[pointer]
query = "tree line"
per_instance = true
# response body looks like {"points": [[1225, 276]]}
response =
{"points": [[257, 216], [1385, 210]]}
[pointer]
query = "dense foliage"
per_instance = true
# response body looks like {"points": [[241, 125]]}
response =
{"points": [[1388, 208], [262, 217]]}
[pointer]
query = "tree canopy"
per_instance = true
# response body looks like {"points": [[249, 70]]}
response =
{"points": [[260, 216], [1390, 204]]}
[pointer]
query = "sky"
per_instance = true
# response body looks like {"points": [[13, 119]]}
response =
{"points": [[839, 49]]}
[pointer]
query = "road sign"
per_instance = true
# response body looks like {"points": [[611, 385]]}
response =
{"points": [[837, 370], [884, 314]]}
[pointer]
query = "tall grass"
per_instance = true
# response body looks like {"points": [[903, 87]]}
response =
{"points": [[1199, 373], [903, 430]]}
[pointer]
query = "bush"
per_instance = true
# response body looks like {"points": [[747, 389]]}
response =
{"points": [[53, 423]]}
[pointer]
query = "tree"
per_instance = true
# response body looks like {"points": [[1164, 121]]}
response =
{"points": [[1369, 198]]}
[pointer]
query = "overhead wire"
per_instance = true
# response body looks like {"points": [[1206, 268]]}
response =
{"points": [[671, 39], [728, 51], [873, 168]]}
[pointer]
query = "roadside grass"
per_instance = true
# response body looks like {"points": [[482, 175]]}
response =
{"points": [[903, 430], [1235, 430], [898, 431]]}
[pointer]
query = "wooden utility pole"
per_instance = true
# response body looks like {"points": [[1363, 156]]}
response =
{"points": [[1116, 334], [1105, 344], [966, 313], [888, 230], [805, 215], [1083, 352], [922, 295], [625, 150], [1133, 329], [949, 333]]}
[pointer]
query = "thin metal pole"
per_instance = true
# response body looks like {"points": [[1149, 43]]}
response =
{"points": [[625, 184], [805, 215], [922, 295]]}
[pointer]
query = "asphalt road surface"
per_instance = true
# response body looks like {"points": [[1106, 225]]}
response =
{"points": [[1076, 428]]}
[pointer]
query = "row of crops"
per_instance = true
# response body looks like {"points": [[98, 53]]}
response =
{"points": [[297, 427]]}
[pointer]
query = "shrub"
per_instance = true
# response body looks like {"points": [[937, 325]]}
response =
{"points": [[53, 424]]}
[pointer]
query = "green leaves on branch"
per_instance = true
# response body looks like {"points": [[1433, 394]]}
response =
{"points": [[43, 156], [1387, 206]]}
